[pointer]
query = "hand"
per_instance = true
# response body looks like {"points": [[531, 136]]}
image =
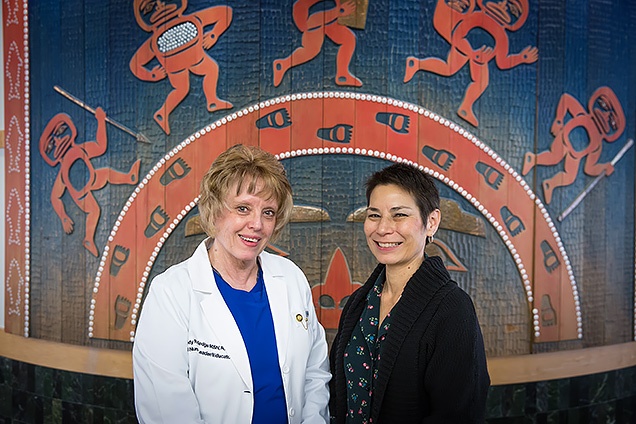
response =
{"points": [[209, 40], [67, 223], [483, 55], [100, 114], [609, 169], [347, 8], [157, 73], [458, 5], [529, 54]]}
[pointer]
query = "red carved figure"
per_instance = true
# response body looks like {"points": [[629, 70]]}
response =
{"points": [[315, 27], [454, 20], [57, 146], [604, 119], [179, 44]]}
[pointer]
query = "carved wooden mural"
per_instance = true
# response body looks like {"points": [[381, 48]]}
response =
{"points": [[522, 111]]}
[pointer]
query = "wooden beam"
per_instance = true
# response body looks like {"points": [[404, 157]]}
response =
{"points": [[503, 370], [563, 364], [62, 356]]}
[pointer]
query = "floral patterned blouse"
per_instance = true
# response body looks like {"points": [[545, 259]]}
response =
{"points": [[362, 356]]}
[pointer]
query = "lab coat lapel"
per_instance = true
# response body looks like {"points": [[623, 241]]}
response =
{"points": [[223, 325], [279, 305], [218, 314]]}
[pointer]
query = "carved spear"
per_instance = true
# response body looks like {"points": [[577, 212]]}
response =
{"points": [[138, 136], [593, 183]]}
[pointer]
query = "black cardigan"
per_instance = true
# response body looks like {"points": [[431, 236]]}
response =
{"points": [[433, 367]]}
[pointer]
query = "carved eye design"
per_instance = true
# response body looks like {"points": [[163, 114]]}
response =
{"points": [[326, 302], [61, 129], [344, 301]]}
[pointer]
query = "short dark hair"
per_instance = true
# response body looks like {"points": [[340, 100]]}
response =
{"points": [[416, 182]]}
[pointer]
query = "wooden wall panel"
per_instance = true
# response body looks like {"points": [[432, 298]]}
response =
{"points": [[524, 254]]}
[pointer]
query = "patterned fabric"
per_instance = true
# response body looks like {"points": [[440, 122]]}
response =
{"points": [[362, 356], [434, 342]]}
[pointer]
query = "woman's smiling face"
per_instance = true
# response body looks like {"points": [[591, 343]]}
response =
{"points": [[394, 228], [244, 226]]}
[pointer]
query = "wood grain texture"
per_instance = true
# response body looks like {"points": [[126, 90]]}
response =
{"points": [[86, 46], [516, 369]]}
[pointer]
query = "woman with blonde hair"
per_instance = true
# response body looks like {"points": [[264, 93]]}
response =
{"points": [[230, 335]]}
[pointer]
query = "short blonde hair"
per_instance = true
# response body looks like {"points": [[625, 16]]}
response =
{"points": [[245, 166]]}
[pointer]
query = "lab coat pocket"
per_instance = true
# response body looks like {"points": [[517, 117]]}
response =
{"points": [[302, 330], [302, 319]]}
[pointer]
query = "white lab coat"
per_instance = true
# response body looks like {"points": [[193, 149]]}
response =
{"points": [[190, 363]]}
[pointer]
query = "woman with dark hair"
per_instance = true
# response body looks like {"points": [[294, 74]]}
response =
{"points": [[409, 348]]}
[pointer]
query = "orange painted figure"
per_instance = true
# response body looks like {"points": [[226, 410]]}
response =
{"points": [[454, 20], [315, 27], [179, 44], [57, 146], [604, 120]]}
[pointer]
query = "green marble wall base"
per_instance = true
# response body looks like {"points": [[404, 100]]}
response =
{"points": [[35, 394]]}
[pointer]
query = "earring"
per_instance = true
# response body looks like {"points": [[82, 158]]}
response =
{"points": [[430, 239]]}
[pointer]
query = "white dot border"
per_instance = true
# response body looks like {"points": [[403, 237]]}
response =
{"points": [[285, 154]]}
